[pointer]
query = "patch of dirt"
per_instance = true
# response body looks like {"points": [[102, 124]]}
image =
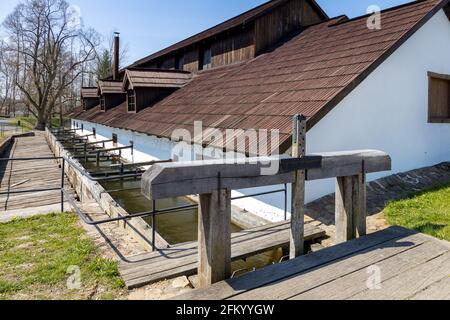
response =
{"points": [[111, 238], [24, 245], [161, 290]]}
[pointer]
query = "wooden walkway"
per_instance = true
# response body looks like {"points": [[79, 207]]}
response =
{"points": [[410, 266], [37, 174], [181, 260]]}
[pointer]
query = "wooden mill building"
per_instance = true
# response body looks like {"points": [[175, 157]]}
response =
{"points": [[360, 87]]}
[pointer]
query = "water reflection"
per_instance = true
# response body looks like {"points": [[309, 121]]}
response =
{"points": [[175, 228]]}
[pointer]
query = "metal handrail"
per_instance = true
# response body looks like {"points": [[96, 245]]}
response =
{"points": [[92, 143], [110, 149], [60, 188], [154, 212]]}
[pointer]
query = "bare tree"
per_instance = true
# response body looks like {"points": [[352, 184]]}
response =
{"points": [[50, 46]]}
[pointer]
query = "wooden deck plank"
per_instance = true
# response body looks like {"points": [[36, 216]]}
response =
{"points": [[24, 175], [175, 261], [412, 265], [412, 282], [271, 274], [439, 290], [290, 287], [355, 282]]}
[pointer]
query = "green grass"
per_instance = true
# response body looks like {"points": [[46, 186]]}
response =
{"points": [[427, 212], [35, 255], [28, 123]]}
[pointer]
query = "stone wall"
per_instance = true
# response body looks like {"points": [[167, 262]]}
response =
{"points": [[382, 191]]}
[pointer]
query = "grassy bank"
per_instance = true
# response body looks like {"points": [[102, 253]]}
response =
{"points": [[427, 212], [28, 123], [39, 256]]}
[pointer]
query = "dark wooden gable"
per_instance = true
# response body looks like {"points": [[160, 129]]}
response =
{"points": [[89, 97], [110, 94], [240, 38], [145, 87]]}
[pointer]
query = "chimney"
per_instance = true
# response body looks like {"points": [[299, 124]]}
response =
{"points": [[116, 56]]}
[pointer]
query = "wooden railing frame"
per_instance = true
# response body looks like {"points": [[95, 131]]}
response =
{"points": [[213, 180]]}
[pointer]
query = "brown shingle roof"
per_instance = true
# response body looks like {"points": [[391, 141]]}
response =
{"points": [[155, 78], [309, 74]]}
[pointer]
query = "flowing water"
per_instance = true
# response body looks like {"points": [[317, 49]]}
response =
{"points": [[175, 228]]}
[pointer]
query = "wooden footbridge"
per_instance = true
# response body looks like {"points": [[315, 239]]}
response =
{"points": [[34, 174], [214, 179], [392, 264]]}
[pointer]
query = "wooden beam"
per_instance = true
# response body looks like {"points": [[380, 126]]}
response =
{"points": [[197, 177], [349, 163], [214, 237], [296, 247]]}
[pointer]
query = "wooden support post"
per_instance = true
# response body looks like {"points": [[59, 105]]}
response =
{"points": [[359, 205], [214, 237], [296, 247], [344, 206], [350, 207]]}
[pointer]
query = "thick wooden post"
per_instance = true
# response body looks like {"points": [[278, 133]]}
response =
{"points": [[214, 237], [344, 209], [296, 247], [350, 207], [359, 205]]}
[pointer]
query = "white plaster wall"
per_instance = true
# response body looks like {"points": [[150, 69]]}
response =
{"points": [[145, 147], [387, 111]]}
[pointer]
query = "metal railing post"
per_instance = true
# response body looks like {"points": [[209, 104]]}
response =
{"points": [[154, 225], [63, 164], [285, 201]]}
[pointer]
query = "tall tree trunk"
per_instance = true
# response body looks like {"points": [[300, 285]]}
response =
{"points": [[61, 124], [41, 121]]}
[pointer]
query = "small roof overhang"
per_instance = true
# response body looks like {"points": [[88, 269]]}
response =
{"points": [[155, 78], [89, 92], [109, 86]]}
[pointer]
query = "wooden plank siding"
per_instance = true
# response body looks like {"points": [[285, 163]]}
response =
{"points": [[191, 60], [273, 27], [146, 98], [89, 103], [113, 100], [245, 41], [439, 98], [233, 48]]}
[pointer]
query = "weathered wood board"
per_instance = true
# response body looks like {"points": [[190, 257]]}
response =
{"points": [[182, 260], [395, 263], [25, 175]]}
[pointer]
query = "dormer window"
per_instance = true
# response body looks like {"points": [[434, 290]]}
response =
{"points": [[83, 102], [131, 101], [102, 103], [179, 62], [204, 60]]}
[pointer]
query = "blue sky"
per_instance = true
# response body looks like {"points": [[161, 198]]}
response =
{"points": [[149, 25]]}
